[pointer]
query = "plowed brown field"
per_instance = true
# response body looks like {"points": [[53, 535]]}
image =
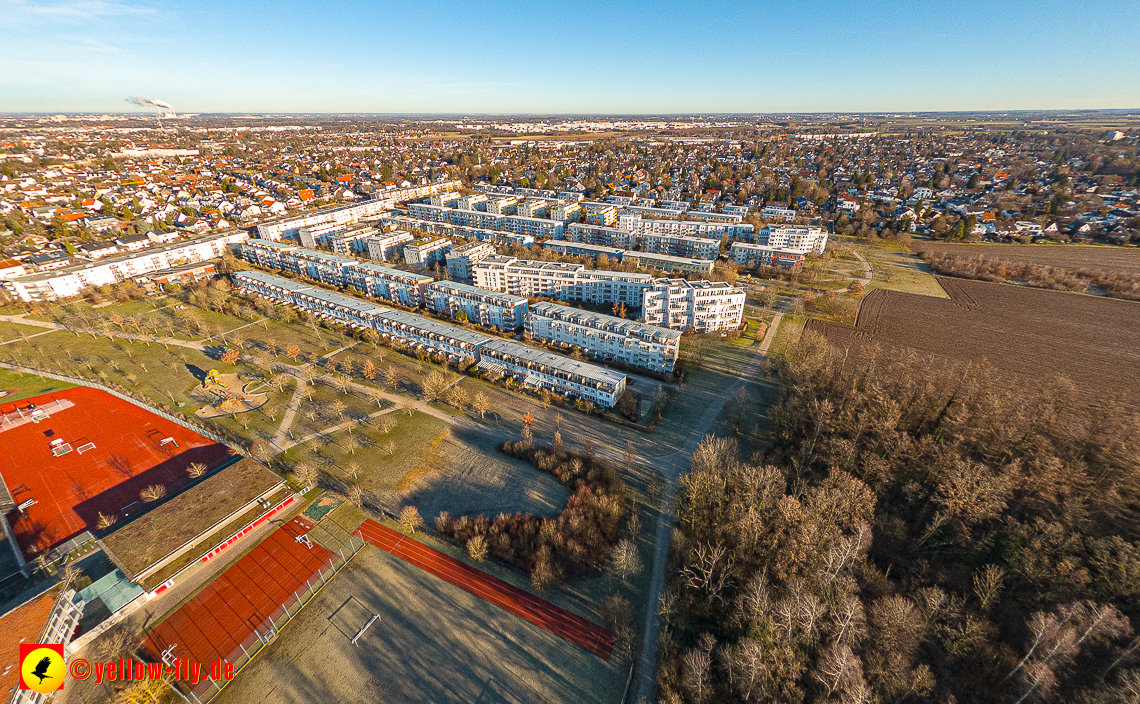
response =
{"points": [[1105, 260], [1032, 333]]}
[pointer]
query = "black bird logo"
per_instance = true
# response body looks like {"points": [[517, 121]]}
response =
{"points": [[42, 668]]}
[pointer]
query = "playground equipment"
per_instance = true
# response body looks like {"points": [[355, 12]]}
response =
{"points": [[213, 377]]}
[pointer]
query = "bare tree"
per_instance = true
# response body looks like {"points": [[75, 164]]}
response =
{"points": [[479, 403], [196, 470], [477, 548], [355, 496], [410, 519], [154, 492], [434, 385], [389, 447], [625, 559], [306, 473]]}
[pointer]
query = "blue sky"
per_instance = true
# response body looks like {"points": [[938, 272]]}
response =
{"points": [[583, 57]]}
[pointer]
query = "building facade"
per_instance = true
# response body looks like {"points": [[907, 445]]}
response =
{"points": [[605, 336], [703, 306], [73, 280], [461, 258], [477, 305], [753, 255], [421, 254]]}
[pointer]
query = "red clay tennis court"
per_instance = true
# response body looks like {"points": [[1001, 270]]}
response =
{"points": [[571, 628], [80, 452], [242, 599]]}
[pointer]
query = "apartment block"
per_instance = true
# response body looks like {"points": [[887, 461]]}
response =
{"points": [[382, 247], [681, 246], [534, 368], [565, 211], [343, 215], [600, 214], [461, 258], [395, 285], [579, 249], [477, 305], [527, 277], [503, 205], [605, 336], [799, 237], [495, 237], [667, 263], [474, 201], [532, 208], [561, 281], [703, 306], [778, 211], [601, 235], [544, 370], [73, 280], [539, 228], [421, 254], [604, 288], [447, 200], [640, 226], [351, 242], [754, 255], [429, 212]]}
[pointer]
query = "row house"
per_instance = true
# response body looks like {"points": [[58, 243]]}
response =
{"points": [[669, 263], [544, 370]]}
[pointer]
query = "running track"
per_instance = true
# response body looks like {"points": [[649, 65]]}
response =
{"points": [[244, 597], [574, 629]]}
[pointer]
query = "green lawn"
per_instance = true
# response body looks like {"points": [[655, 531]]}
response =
{"points": [[27, 386]]}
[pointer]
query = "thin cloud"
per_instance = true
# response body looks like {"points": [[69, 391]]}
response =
{"points": [[24, 12]]}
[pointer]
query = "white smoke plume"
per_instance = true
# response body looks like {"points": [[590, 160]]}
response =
{"points": [[150, 103]]}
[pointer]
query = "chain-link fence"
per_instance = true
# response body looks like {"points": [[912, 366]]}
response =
{"points": [[265, 632]]}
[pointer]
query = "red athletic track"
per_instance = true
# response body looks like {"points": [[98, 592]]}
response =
{"points": [[243, 598], [73, 489], [574, 629]]}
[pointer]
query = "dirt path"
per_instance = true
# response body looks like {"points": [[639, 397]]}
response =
{"points": [[868, 273], [672, 467]]}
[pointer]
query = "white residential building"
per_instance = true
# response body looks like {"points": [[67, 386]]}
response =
{"points": [[605, 336], [799, 237], [600, 235], [383, 246], [460, 259], [640, 226], [681, 246], [74, 280], [751, 255], [395, 285], [778, 211], [421, 254], [477, 305], [703, 306]]}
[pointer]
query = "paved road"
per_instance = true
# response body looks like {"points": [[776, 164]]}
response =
{"points": [[672, 467]]}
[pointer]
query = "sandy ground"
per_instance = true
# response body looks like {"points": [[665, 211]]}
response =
{"points": [[478, 479], [433, 644]]}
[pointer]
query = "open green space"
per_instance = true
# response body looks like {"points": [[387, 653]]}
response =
{"points": [[22, 386]]}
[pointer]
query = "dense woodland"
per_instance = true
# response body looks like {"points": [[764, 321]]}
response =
{"points": [[918, 533], [984, 268]]}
